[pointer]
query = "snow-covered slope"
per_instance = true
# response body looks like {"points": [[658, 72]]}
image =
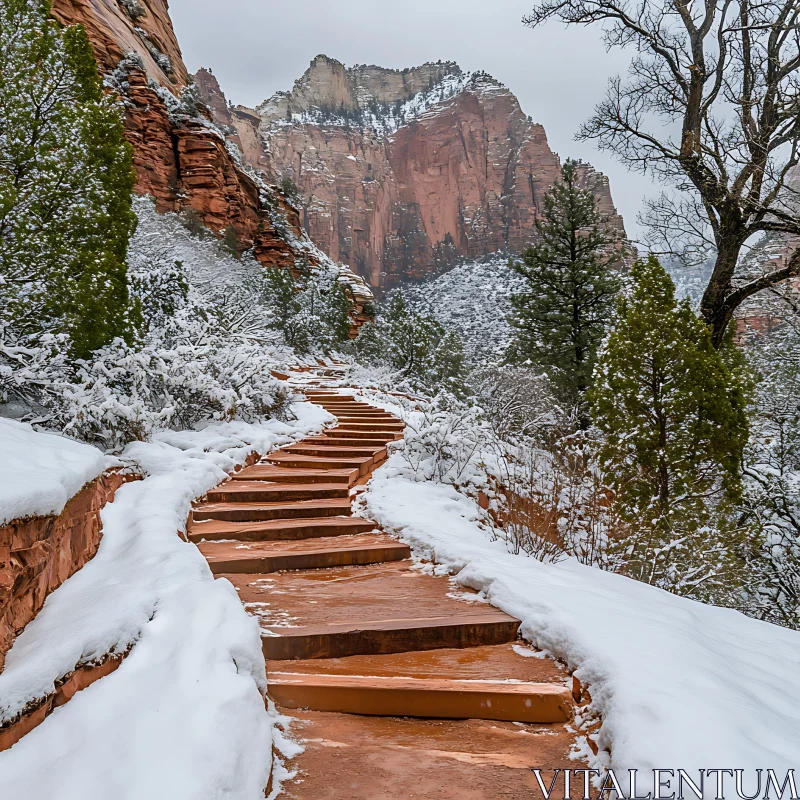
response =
{"points": [[678, 684], [41, 472], [473, 299]]}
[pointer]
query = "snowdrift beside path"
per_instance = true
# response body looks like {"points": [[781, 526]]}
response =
{"points": [[41, 472], [183, 718], [678, 684]]}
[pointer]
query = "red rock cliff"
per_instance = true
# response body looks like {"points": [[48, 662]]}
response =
{"points": [[180, 157], [402, 173]]}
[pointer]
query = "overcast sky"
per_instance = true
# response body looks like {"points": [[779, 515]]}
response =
{"points": [[257, 47]]}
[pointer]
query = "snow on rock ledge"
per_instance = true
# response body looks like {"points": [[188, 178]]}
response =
{"points": [[40, 472]]}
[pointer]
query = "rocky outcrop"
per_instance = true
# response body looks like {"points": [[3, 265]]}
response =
{"points": [[37, 555], [403, 173], [181, 158], [119, 27]]}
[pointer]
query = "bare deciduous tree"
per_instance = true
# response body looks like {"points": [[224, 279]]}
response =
{"points": [[711, 104]]}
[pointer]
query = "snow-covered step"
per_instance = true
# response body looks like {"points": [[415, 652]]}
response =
{"points": [[264, 492], [266, 557], [367, 637], [399, 696], [253, 512], [279, 529]]}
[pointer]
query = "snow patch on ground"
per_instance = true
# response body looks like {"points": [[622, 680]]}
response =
{"points": [[184, 716], [41, 472], [677, 683]]}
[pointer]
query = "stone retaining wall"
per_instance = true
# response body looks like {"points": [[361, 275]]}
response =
{"points": [[38, 554]]}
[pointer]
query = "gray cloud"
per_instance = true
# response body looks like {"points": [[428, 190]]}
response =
{"points": [[256, 47]]}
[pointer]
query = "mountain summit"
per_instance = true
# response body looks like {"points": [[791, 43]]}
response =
{"points": [[402, 173]]}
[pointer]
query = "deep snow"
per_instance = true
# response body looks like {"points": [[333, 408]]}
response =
{"points": [[41, 472], [678, 684]]}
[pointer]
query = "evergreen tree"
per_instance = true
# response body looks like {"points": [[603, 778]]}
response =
{"points": [[65, 185], [416, 346], [672, 415], [561, 316]]}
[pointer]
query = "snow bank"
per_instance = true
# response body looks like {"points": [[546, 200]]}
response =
{"points": [[678, 684], [41, 472], [183, 717]]}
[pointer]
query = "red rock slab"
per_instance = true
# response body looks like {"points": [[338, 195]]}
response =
{"points": [[319, 395], [266, 557], [361, 416], [378, 425], [350, 594], [338, 451], [357, 435], [279, 529], [373, 637], [258, 512], [382, 608], [390, 758], [397, 696], [335, 441], [268, 472], [498, 662], [80, 679], [352, 408], [264, 492], [289, 461]]}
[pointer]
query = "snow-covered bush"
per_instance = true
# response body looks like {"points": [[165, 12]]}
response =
{"points": [[771, 499], [423, 355], [133, 8], [207, 351]]}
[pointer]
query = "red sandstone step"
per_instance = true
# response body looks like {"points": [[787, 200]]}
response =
{"points": [[428, 698], [363, 637], [349, 441], [336, 452], [265, 557], [389, 423], [346, 432], [258, 512], [263, 492], [279, 529], [289, 461], [380, 425], [268, 472]]}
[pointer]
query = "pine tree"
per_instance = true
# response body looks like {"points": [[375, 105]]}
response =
{"points": [[416, 346], [672, 415], [65, 185], [562, 315]]}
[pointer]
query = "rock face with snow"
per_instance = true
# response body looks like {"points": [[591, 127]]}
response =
{"points": [[403, 173], [51, 492], [181, 158]]}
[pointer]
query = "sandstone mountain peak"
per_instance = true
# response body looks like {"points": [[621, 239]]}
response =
{"points": [[328, 89], [403, 173]]}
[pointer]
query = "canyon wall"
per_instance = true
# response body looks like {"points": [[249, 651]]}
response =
{"points": [[179, 155], [403, 173]]}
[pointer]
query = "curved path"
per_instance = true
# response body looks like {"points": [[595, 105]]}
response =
{"points": [[400, 685]]}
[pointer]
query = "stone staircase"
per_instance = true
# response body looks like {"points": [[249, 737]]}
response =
{"points": [[400, 685]]}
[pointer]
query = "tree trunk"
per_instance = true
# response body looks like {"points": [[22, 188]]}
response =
{"points": [[714, 305]]}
